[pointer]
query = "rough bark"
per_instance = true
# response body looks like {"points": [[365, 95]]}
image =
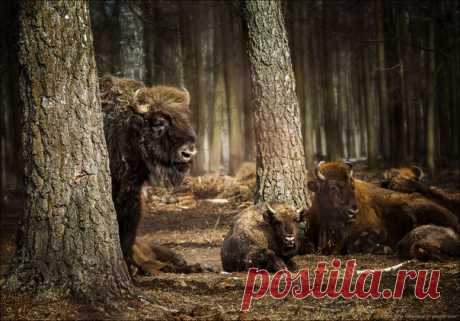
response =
{"points": [[69, 239], [280, 154]]}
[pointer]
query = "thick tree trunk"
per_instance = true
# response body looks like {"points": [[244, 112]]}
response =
{"points": [[280, 154], [69, 239], [132, 63]]}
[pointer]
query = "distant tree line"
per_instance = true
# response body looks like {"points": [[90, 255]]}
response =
{"points": [[375, 80]]}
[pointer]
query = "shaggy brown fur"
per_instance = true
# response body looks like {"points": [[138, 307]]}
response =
{"points": [[430, 242], [384, 216], [152, 258], [262, 238], [334, 205], [149, 137], [409, 180]]}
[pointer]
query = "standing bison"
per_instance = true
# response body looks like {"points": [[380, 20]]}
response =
{"points": [[149, 137], [265, 237]]}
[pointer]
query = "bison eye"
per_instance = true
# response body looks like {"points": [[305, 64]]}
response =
{"points": [[334, 189], [159, 126]]}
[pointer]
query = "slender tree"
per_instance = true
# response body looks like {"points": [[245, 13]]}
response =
{"points": [[69, 240], [233, 89], [132, 62], [215, 157], [280, 154], [383, 92], [432, 130]]}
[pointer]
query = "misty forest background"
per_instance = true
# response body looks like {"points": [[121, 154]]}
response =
{"points": [[376, 80]]}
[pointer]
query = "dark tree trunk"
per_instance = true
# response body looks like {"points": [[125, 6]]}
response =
{"points": [[432, 130], [69, 239], [280, 154], [132, 62]]}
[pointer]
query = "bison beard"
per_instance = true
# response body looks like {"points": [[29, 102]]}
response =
{"points": [[149, 137]]}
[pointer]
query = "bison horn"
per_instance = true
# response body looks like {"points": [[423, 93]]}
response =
{"points": [[318, 171], [187, 95], [140, 108], [270, 209], [418, 172], [350, 166]]}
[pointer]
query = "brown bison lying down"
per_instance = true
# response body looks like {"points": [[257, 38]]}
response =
{"points": [[409, 180], [263, 236], [384, 217], [334, 206], [430, 242], [151, 258]]}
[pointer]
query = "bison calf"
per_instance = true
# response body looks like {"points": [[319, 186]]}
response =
{"points": [[430, 242], [263, 236]]}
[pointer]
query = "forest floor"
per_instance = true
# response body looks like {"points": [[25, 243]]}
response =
{"points": [[193, 221]]}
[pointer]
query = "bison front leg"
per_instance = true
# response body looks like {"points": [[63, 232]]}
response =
{"points": [[265, 259], [291, 265], [129, 214]]}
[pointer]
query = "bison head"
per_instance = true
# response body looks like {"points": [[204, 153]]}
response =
{"points": [[167, 138], [285, 221], [334, 199], [405, 179]]}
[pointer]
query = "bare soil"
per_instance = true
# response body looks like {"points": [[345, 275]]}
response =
{"points": [[194, 224]]}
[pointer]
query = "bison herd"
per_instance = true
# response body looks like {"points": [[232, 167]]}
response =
{"points": [[150, 137]]}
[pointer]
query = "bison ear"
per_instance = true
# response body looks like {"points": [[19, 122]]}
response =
{"points": [[269, 214], [301, 214], [313, 186]]}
